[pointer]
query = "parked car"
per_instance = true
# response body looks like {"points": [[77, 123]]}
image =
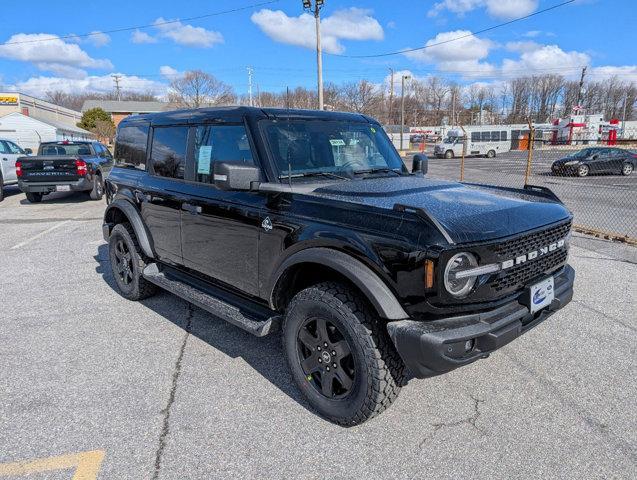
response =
{"points": [[310, 222], [596, 160], [9, 153], [64, 166]]}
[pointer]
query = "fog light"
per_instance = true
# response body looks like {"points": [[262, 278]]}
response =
{"points": [[469, 345]]}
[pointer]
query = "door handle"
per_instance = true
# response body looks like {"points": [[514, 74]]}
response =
{"points": [[5, 159], [193, 209]]}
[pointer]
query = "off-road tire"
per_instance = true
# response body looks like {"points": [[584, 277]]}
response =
{"points": [[627, 169], [491, 154], [98, 188], [379, 370], [138, 288], [449, 154], [34, 197]]}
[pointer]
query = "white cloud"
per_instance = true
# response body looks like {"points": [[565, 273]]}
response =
{"points": [[506, 9], [142, 37], [546, 58], [348, 24], [523, 46], [169, 72], [187, 35], [462, 55], [52, 54], [99, 39], [626, 73], [532, 33], [38, 86]]}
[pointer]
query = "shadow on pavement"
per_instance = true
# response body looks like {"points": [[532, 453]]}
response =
{"points": [[62, 198], [265, 355]]}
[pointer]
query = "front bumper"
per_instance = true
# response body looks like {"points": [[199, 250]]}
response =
{"points": [[81, 185], [437, 347]]}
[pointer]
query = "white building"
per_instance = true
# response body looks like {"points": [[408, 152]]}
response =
{"points": [[29, 132], [11, 102]]}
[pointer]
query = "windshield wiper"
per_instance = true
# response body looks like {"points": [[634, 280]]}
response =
{"points": [[314, 174], [377, 170]]}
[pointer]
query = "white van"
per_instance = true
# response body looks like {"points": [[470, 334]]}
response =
{"points": [[487, 141], [9, 153]]}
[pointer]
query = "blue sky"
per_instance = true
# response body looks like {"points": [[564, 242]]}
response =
{"points": [[277, 41]]}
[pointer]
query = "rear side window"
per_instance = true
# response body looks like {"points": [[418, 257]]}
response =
{"points": [[219, 143], [486, 136], [495, 136], [168, 151], [130, 146], [503, 135]]}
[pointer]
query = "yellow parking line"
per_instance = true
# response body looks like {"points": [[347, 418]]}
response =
{"points": [[87, 465]]}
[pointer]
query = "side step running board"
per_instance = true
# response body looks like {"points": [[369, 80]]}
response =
{"points": [[215, 301]]}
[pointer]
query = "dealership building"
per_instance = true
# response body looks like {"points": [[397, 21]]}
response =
{"points": [[28, 121]]}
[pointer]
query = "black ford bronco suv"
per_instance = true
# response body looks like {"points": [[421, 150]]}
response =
{"points": [[309, 221]]}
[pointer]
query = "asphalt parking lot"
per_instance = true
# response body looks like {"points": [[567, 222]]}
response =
{"points": [[163, 390], [605, 202]]}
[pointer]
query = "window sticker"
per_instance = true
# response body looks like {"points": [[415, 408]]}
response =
{"points": [[337, 142], [203, 159]]}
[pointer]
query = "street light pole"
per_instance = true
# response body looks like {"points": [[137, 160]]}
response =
{"points": [[316, 10], [402, 108]]}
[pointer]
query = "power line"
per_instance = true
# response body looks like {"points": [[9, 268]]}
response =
{"points": [[158, 24], [443, 42]]}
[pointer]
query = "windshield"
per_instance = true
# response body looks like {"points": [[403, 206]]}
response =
{"points": [[450, 140], [51, 149], [304, 147]]}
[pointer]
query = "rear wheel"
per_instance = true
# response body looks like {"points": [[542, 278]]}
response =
{"points": [[582, 171], [449, 154], [340, 354], [627, 169], [98, 188], [127, 263], [34, 197], [491, 154]]}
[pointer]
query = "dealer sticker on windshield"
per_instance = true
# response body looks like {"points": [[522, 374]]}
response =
{"points": [[337, 142], [542, 294]]}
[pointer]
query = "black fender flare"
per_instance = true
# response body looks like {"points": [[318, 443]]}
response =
{"points": [[135, 219], [368, 282]]}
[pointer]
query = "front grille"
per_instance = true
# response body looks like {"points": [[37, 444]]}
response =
{"points": [[520, 275]]}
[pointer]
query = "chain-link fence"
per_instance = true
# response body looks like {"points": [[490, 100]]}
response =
{"points": [[596, 179]]}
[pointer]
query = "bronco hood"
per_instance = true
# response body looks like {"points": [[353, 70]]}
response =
{"points": [[466, 213]]}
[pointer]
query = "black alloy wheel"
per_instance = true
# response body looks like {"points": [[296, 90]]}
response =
{"points": [[123, 264], [326, 358]]}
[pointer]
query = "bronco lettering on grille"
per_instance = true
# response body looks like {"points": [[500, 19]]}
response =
{"points": [[533, 254]]}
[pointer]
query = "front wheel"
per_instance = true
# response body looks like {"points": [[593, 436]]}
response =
{"points": [[340, 354], [582, 171], [491, 154], [449, 154], [627, 169], [34, 197]]}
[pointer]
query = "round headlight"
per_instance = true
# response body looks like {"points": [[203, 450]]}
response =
{"points": [[460, 287]]}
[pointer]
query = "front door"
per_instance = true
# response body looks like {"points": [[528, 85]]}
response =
{"points": [[9, 153], [164, 192], [220, 229]]}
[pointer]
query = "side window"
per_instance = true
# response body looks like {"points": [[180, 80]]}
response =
{"points": [[503, 135], [107, 153], [219, 143], [475, 136], [495, 136], [4, 148], [168, 151], [13, 148], [485, 136], [130, 146]]}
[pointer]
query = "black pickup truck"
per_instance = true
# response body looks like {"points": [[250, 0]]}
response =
{"points": [[309, 221], [64, 166]]}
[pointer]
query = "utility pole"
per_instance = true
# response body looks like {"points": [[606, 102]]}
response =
{"points": [[624, 115], [391, 96], [316, 9], [581, 87], [453, 107], [402, 109], [118, 89], [250, 85]]}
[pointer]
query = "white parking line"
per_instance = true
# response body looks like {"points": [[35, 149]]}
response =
{"points": [[48, 230]]}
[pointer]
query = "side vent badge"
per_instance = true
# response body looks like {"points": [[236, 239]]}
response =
{"points": [[267, 224]]}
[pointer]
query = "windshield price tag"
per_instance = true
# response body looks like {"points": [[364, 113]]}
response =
{"points": [[203, 159], [337, 142]]}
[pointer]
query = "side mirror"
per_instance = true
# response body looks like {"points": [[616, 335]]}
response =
{"points": [[420, 164], [236, 176], [28, 151]]}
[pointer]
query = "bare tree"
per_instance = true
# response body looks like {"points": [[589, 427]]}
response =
{"points": [[197, 89]]}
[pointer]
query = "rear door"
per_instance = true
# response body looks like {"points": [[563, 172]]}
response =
{"points": [[163, 192], [9, 153], [220, 229]]}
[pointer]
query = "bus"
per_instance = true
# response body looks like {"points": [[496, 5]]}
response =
{"points": [[485, 141]]}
